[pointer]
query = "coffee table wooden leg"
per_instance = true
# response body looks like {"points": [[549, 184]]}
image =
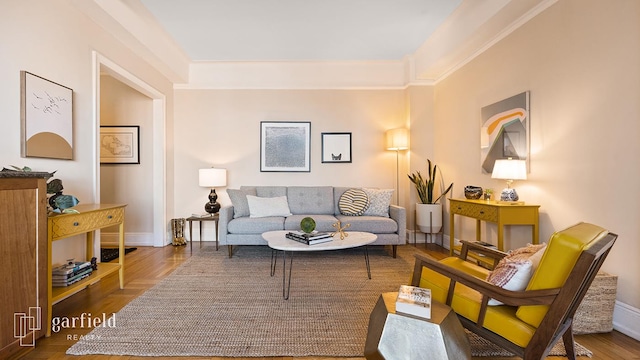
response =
{"points": [[366, 259]]}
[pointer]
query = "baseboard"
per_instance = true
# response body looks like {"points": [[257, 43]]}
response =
{"points": [[626, 319], [130, 239]]}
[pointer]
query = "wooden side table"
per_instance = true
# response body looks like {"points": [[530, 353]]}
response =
{"points": [[214, 217], [495, 212]]}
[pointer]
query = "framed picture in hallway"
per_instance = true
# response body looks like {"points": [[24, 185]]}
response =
{"points": [[285, 146], [336, 147], [119, 144]]}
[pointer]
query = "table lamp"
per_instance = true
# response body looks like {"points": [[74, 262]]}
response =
{"points": [[509, 169], [212, 178]]}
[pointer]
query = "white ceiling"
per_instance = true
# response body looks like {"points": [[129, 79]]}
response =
{"points": [[299, 30]]}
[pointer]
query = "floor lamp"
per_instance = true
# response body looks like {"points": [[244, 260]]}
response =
{"points": [[397, 139]]}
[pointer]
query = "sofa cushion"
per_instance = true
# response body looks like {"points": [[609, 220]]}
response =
{"points": [[323, 222], [353, 202], [271, 191], [239, 201], [310, 200], [247, 225], [379, 201], [372, 224], [337, 193], [268, 206]]}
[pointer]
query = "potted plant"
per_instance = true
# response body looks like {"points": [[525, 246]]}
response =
{"points": [[429, 210]]}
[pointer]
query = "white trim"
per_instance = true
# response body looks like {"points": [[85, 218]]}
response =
{"points": [[626, 319], [132, 239], [159, 140]]}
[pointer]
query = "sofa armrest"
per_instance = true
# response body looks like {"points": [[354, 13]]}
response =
{"points": [[399, 214], [226, 215]]}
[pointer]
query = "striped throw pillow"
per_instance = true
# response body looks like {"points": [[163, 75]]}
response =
{"points": [[353, 202]]}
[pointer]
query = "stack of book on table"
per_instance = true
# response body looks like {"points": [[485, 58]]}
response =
{"points": [[70, 273], [414, 301], [310, 238]]}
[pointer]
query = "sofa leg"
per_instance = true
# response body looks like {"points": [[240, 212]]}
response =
{"points": [[394, 250], [230, 248]]}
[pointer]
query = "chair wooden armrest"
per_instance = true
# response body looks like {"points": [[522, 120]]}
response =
{"points": [[488, 290], [492, 253]]}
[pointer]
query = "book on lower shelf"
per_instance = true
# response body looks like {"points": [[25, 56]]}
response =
{"points": [[309, 239], [414, 301]]}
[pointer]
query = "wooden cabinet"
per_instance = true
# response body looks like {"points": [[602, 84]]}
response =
{"points": [[90, 217], [491, 211], [23, 258]]}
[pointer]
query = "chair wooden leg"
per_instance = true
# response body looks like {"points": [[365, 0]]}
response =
{"points": [[569, 344]]}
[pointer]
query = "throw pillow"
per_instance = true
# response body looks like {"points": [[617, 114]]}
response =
{"points": [[514, 271], [353, 202], [264, 207], [239, 201], [379, 200]]}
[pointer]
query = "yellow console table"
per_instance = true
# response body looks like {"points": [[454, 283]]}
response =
{"points": [[90, 217], [491, 211]]}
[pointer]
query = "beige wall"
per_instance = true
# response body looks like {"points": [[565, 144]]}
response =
{"points": [[129, 184], [54, 40], [580, 60], [221, 128]]}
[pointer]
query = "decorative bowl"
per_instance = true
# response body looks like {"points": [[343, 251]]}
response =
{"points": [[472, 192]]}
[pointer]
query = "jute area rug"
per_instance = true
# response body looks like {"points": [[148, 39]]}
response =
{"points": [[216, 306]]}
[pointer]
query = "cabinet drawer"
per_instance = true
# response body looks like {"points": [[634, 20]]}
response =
{"points": [[79, 223], [478, 211]]}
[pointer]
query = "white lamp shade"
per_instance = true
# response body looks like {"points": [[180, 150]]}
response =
{"points": [[212, 177], [397, 139], [509, 169]]}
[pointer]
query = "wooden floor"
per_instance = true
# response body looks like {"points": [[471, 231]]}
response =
{"points": [[146, 266]]}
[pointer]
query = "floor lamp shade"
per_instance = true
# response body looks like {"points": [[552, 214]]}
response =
{"points": [[212, 178], [397, 139]]}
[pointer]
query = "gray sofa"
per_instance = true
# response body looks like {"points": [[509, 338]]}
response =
{"points": [[236, 227]]}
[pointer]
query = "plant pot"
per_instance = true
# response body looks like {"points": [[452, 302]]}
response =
{"points": [[429, 218]]}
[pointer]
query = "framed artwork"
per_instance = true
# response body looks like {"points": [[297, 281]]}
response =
{"points": [[119, 144], [505, 131], [336, 147], [46, 114], [285, 146]]}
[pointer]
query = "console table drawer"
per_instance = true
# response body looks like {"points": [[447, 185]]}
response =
{"points": [[478, 211], [62, 226]]}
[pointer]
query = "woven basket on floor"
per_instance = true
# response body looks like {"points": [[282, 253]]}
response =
{"points": [[595, 313]]}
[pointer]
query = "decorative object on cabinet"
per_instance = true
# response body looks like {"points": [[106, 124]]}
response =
{"points": [[473, 192], [495, 212], [428, 211], [397, 139], [23, 243], [505, 131], [285, 146], [58, 201], [42, 104], [86, 219], [509, 169], [119, 144], [336, 147], [212, 178]]}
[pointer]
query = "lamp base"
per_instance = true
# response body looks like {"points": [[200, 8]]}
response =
{"points": [[509, 194], [212, 206]]}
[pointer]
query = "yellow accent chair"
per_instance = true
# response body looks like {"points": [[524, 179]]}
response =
{"points": [[531, 321]]}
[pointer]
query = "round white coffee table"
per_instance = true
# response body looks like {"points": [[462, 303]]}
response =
{"points": [[279, 242]]}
